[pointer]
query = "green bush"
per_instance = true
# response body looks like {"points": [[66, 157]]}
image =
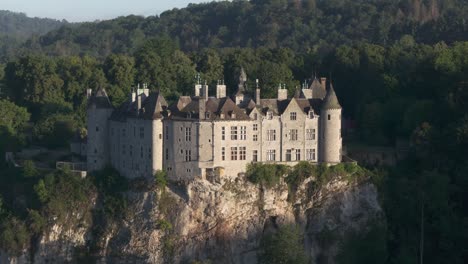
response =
{"points": [[160, 178], [267, 175], [285, 246], [14, 235], [29, 169], [164, 225]]}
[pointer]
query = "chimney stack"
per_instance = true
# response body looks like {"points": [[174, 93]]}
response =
{"points": [[257, 93], [220, 90], [282, 92], [323, 81], [89, 92]]}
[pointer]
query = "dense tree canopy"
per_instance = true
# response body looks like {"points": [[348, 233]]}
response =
{"points": [[399, 68]]}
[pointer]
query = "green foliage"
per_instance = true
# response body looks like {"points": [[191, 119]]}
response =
{"points": [[36, 222], [111, 185], [367, 247], [267, 175], [41, 191], [284, 246], [164, 225], [14, 235], [160, 178], [29, 169]]}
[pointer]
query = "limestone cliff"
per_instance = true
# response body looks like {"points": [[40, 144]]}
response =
{"points": [[221, 222]]}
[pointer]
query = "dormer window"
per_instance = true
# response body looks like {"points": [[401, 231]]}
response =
{"points": [[207, 115], [269, 115], [255, 116], [221, 115], [311, 114], [233, 115], [189, 115]]}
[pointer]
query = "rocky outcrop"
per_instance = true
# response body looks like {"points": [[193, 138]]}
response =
{"points": [[221, 222]]}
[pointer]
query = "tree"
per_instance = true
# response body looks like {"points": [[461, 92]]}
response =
{"points": [[29, 169], [283, 247]]}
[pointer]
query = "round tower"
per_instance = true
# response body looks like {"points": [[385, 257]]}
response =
{"points": [[98, 114], [330, 142]]}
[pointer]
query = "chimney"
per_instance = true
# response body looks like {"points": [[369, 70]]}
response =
{"points": [[201, 108], [282, 93], [205, 91], [323, 81], [198, 88], [220, 90], [138, 103], [257, 94], [89, 92]]}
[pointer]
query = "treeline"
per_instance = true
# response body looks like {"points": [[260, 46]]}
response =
{"points": [[301, 25], [16, 28]]}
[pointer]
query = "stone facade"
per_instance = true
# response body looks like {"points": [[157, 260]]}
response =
{"points": [[213, 137]]}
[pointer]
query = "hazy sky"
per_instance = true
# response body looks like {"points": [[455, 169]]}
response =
{"points": [[90, 10]]}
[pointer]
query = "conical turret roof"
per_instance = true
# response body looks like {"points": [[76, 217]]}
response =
{"points": [[331, 101], [100, 99], [317, 88]]}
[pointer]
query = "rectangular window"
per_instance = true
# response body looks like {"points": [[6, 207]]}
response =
{"points": [[233, 153], [271, 135], [255, 156], [310, 154], [243, 133], [97, 129], [271, 155], [124, 149], [270, 115], [329, 117], [149, 153], [310, 134], [188, 155], [293, 134], [242, 153], [293, 116], [134, 131], [131, 150], [233, 133], [167, 154], [123, 132], [223, 133], [141, 152], [255, 127], [223, 153], [288, 155], [298, 154], [167, 132], [142, 132], [188, 134], [255, 137]]}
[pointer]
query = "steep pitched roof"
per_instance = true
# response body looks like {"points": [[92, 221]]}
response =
{"points": [[318, 90], [152, 107], [331, 101], [214, 106], [100, 99]]}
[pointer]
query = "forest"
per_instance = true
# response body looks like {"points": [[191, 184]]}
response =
{"points": [[399, 68]]}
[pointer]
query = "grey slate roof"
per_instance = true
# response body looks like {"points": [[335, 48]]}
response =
{"points": [[152, 107], [100, 99], [318, 90], [331, 101], [214, 106]]}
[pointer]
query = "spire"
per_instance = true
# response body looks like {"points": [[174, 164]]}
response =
{"points": [[331, 101], [242, 81], [100, 99], [318, 90]]}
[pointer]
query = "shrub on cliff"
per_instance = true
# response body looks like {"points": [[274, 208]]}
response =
{"points": [[267, 175], [284, 246]]}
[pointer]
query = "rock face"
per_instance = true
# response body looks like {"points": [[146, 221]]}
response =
{"points": [[221, 222]]}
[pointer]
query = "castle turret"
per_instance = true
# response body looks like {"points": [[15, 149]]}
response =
{"points": [[330, 128], [98, 113]]}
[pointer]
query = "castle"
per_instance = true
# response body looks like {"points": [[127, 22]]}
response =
{"points": [[212, 137]]}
